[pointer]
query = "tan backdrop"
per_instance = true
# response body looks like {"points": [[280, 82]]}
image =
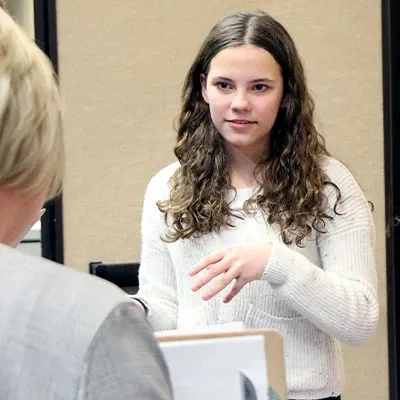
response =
{"points": [[122, 65]]}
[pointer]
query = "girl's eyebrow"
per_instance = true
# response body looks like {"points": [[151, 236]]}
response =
{"points": [[258, 80]]}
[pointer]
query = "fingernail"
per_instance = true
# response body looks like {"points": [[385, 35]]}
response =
{"points": [[42, 211]]}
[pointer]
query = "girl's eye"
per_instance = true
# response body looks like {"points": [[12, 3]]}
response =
{"points": [[260, 87], [223, 85]]}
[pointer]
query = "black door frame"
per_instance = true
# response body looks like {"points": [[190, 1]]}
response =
{"points": [[391, 119], [52, 221]]}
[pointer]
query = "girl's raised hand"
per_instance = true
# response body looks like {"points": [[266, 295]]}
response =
{"points": [[242, 264]]}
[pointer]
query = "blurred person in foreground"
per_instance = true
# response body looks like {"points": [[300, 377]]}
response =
{"points": [[63, 334]]}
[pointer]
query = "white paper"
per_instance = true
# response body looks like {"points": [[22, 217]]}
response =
{"points": [[208, 369], [228, 327]]}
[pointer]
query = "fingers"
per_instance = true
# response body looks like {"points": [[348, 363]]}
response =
{"points": [[236, 288], [212, 272], [206, 262], [228, 277], [217, 264]]}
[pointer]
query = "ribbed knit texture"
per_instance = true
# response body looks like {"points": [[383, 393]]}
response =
{"points": [[314, 296]]}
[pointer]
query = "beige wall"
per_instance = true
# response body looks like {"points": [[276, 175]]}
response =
{"points": [[23, 13], [122, 65]]}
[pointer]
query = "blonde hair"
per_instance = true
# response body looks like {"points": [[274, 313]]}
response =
{"points": [[31, 125]]}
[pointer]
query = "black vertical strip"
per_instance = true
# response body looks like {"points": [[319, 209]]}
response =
{"points": [[46, 28], [391, 115], [46, 38]]}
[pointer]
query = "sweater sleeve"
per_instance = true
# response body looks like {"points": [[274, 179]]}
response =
{"points": [[340, 295], [157, 278]]}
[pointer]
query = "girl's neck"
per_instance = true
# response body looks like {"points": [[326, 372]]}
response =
{"points": [[242, 168], [242, 172]]}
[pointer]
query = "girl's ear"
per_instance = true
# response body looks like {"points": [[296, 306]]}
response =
{"points": [[203, 81]]}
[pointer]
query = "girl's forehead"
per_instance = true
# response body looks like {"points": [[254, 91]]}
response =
{"points": [[244, 61]]}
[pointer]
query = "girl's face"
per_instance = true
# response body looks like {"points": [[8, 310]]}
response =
{"points": [[244, 90]]}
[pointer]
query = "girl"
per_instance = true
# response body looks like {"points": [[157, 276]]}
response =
{"points": [[255, 222]]}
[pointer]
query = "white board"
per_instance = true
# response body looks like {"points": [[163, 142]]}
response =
{"points": [[222, 364], [221, 368]]}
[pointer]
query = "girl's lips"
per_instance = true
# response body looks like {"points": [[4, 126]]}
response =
{"points": [[240, 121], [238, 124]]}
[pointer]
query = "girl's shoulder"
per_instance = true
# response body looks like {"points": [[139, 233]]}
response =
{"points": [[336, 171], [159, 183], [166, 173], [338, 174]]}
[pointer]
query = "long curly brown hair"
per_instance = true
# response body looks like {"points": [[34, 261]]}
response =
{"points": [[292, 180]]}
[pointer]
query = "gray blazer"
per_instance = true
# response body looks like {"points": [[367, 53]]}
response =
{"points": [[68, 335]]}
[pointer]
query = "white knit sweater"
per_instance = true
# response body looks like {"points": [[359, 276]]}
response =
{"points": [[315, 296]]}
